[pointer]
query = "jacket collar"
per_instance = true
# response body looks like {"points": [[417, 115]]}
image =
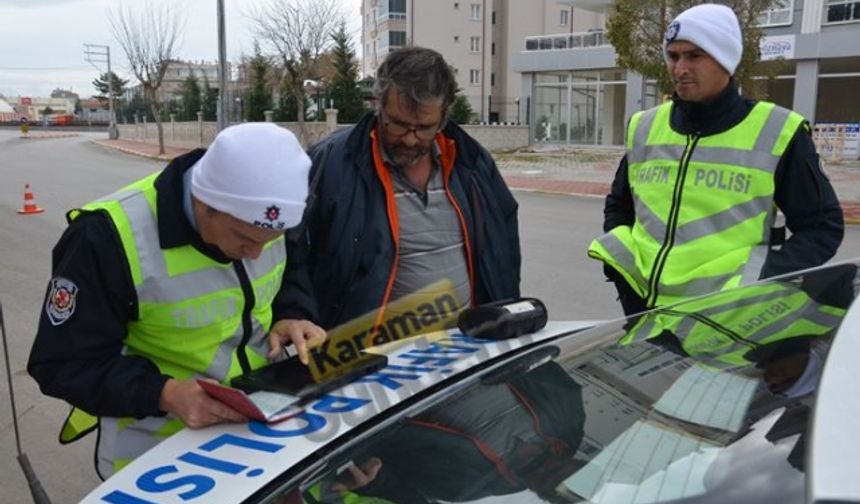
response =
{"points": [[454, 149], [727, 110], [174, 230]]}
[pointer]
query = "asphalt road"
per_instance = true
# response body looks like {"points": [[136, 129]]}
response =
{"points": [[68, 172]]}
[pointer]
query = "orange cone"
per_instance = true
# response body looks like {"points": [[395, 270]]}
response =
{"points": [[29, 203]]}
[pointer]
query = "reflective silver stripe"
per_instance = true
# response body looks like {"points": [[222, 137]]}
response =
{"points": [[750, 271], [641, 153], [205, 281], [144, 228], [272, 255], [129, 443], [695, 287], [219, 368], [772, 129], [644, 127], [721, 221], [622, 256], [649, 221], [188, 285], [747, 301], [119, 195], [757, 160], [645, 329]]}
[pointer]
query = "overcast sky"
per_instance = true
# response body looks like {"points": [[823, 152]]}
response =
{"points": [[42, 41]]}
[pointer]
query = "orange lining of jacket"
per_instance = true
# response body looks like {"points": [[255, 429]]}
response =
{"points": [[447, 155]]}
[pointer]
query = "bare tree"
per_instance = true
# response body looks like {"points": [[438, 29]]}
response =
{"points": [[299, 32], [149, 38]]}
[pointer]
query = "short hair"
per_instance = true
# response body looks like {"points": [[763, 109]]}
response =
{"points": [[418, 73]]}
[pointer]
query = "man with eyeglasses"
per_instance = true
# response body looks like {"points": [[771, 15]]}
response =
{"points": [[400, 201]]}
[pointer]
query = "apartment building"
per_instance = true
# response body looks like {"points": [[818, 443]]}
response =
{"points": [[477, 37], [548, 64], [578, 95]]}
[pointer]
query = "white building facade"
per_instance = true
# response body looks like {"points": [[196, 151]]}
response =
{"points": [[547, 62], [577, 95]]}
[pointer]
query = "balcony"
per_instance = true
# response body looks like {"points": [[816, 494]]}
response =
{"points": [[564, 41], [590, 5]]}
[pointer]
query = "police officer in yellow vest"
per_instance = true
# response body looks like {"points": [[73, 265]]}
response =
{"points": [[693, 204], [173, 277]]}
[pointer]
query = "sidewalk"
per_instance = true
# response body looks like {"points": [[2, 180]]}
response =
{"points": [[584, 172]]}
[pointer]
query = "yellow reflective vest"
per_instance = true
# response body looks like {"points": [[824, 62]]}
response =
{"points": [[704, 204], [725, 329], [197, 317]]}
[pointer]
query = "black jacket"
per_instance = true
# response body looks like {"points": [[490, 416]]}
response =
{"points": [[80, 360], [339, 268], [802, 191]]}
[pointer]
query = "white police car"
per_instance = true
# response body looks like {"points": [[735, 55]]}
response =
{"points": [[748, 395]]}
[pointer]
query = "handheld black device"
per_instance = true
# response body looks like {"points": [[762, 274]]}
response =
{"points": [[503, 319], [292, 377]]}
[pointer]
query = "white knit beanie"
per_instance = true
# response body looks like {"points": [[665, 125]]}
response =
{"points": [[256, 172], [712, 27]]}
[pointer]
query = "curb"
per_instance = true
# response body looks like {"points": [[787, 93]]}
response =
{"points": [[133, 152]]}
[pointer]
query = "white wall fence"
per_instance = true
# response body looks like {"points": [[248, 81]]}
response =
{"points": [[192, 134]]}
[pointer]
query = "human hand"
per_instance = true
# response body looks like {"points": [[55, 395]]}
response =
{"points": [[303, 334], [357, 476], [187, 401]]}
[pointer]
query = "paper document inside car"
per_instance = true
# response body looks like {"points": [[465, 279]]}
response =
{"points": [[261, 405]]}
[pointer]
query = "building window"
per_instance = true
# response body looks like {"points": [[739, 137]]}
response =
{"points": [[563, 17], [493, 79], [494, 17], [493, 49], [474, 77], [475, 44], [842, 11], [476, 12], [779, 14], [456, 39], [396, 38], [456, 5], [392, 9]]}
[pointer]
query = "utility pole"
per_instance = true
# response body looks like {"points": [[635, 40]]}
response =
{"points": [[223, 102], [94, 54]]}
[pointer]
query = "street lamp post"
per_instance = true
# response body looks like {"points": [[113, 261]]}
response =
{"points": [[222, 110], [94, 57]]}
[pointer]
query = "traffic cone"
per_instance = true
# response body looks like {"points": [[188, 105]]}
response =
{"points": [[29, 203]]}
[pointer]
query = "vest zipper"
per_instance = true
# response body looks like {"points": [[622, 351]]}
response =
{"points": [[247, 329], [674, 212]]}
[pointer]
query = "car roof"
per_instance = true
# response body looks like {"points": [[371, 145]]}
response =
{"points": [[235, 462], [232, 461]]}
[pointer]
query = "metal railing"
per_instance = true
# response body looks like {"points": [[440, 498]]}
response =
{"points": [[563, 41]]}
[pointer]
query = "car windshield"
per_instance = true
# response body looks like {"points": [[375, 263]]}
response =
{"points": [[678, 404]]}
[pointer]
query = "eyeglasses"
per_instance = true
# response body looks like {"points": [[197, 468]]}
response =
{"points": [[399, 129]]}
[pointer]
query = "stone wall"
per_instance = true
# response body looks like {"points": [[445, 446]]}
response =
{"points": [[199, 134]]}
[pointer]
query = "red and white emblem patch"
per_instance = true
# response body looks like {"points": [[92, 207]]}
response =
{"points": [[60, 304]]}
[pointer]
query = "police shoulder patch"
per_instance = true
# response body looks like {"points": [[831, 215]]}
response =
{"points": [[61, 301]]}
